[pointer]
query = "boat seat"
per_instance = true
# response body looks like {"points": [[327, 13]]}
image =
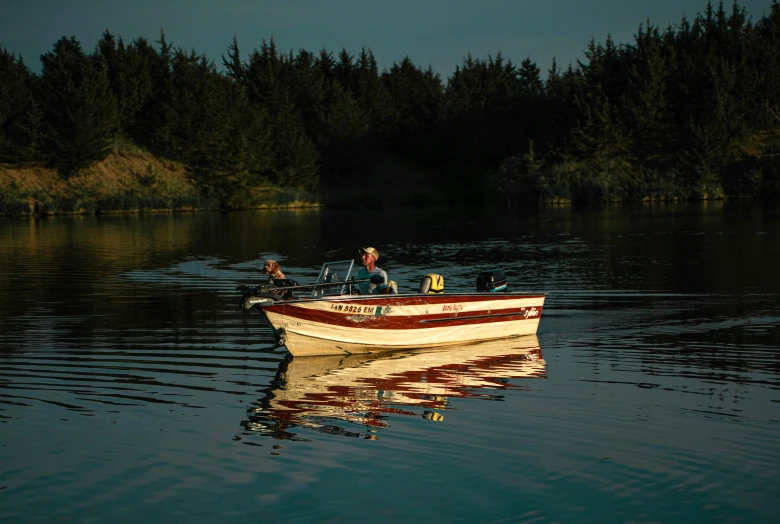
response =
{"points": [[390, 289]]}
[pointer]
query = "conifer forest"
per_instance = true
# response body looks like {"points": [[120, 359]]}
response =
{"points": [[687, 111]]}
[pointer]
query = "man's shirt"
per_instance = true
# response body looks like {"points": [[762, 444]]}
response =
{"points": [[368, 288]]}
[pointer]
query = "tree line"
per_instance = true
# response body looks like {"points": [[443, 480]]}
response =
{"points": [[687, 111]]}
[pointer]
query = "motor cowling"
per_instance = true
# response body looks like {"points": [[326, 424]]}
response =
{"points": [[432, 283], [255, 296], [248, 302], [491, 281]]}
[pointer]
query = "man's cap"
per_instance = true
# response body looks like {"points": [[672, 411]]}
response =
{"points": [[369, 251]]}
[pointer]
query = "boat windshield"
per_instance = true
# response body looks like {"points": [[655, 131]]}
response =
{"points": [[338, 271]]}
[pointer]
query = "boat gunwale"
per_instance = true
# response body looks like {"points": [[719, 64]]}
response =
{"points": [[438, 298]]}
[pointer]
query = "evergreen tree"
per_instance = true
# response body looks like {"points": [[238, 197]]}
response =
{"points": [[648, 104], [343, 126], [341, 118], [307, 87], [295, 159], [224, 140], [129, 74], [344, 71], [20, 113], [488, 112], [233, 65], [80, 110], [155, 122], [326, 65], [249, 149], [530, 85], [599, 133], [264, 77], [370, 92], [416, 94]]}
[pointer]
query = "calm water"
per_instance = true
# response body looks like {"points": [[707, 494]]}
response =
{"points": [[132, 388]]}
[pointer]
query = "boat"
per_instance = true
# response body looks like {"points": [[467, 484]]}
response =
{"points": [[366, 390], [328, 317]]}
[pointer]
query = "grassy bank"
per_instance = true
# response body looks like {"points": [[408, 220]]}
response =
{"points": [[560, 178], [127, 181]]}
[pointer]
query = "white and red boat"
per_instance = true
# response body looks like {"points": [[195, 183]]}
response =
{"points": [[328, 319]]}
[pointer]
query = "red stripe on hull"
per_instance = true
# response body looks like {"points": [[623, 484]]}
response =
{"points": [[405, 321]]}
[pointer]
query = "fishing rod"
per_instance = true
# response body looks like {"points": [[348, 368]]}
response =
{"points": [[254, 296], [265, 289]]}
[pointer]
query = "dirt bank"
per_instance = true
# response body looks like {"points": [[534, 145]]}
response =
{"points": [[127, 181]]}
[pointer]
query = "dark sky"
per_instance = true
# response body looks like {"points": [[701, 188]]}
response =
{"points": [[439, 33]]}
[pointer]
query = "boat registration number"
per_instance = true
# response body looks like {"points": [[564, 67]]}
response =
{"points": [[346, 308]]}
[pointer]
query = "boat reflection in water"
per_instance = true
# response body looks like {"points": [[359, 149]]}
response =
{"points": [[319, 393]]}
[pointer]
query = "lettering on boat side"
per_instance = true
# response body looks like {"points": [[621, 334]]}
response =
{"points": [[452, 307], [533, 312], [365, 310]]}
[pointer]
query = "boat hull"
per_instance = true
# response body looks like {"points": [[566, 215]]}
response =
{"points": [[360, 324]]}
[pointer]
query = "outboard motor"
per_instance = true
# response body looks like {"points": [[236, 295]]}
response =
{"points": [[258, 296], [491, 281], [248, 302], [255, 296], [432, 283]]}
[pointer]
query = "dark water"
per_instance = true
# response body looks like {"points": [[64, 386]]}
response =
{"points": [[133, 389]]}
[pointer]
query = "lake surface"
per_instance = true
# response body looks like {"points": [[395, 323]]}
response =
{"points": [[132, 388]]}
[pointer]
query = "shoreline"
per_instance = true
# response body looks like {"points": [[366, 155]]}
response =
{"points": [[127, 182], [159, 211], [644, 203], [134, 182]]}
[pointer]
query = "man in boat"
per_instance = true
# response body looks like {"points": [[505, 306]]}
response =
{"points": [[368, 258]]}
